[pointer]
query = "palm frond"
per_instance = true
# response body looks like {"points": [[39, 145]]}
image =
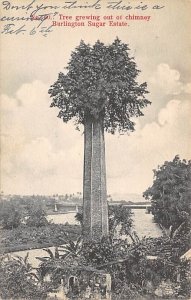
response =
{"points": [[49, 252], [43, 259]]}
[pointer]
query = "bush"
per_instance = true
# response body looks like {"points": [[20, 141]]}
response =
{"points": [[11, 214], [24, 237], [37, 215], [170, 194], [17, 280], [97, 253]]}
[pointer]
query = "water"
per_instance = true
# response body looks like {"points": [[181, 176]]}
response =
{"points": [[63, 218], [143, 225]]}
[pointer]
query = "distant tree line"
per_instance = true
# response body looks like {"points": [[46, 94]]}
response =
{"points": [[13, 214]]}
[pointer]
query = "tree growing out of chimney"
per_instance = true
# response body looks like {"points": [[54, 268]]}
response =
{"points": [[99, 90]]}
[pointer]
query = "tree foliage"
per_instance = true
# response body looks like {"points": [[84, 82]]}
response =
{"points": [[79, 217], [170, 193], [37, 214], [132, 272], [100, 81], [11, 214], [120, 216], [18, 280]]}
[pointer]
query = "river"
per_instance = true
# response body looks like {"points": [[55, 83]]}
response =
{"points": [[143, 225]]}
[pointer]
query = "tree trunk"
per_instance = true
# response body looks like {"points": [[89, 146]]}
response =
{"points": [[87, 181], [95, 208]]}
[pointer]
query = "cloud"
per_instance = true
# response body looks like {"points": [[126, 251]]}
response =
{"points": [[41, 154], [38, 158], [169, 114], [187, 88], [168, 81], [37, 147], [131, 159]]}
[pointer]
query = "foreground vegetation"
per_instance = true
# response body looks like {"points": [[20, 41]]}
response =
{"points": [[24, 229], [25, 238], [134, 275], [148, 268]]}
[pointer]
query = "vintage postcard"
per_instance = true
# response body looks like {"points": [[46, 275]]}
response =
{"points": [[95, 166]]}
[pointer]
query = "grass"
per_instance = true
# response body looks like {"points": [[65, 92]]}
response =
{"points": [[25, 238]]}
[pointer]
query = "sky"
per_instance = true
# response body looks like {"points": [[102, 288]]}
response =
{"points": [[42, 155]]}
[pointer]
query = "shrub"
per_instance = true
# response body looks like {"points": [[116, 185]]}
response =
{"points": [[17, 280], [11, 214]]}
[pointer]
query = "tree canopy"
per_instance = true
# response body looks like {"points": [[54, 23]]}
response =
{"points": [[120, 216], [36, 214], [100, 81], [170, 193], [11, 214]]}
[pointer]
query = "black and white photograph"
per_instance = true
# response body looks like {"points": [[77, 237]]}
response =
{"points": [[95, 138]]}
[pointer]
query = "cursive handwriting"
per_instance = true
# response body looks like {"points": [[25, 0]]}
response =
{"points": [[120, 5], [18, 19], [35, 8], [11, 28], [39, 8]]}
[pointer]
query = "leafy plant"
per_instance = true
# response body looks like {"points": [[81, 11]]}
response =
{"points": [[72, 248], [36, 214], [11, 214], [120, 217], [100, 81], [18, 279], [61, 261], [170, 195]]}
